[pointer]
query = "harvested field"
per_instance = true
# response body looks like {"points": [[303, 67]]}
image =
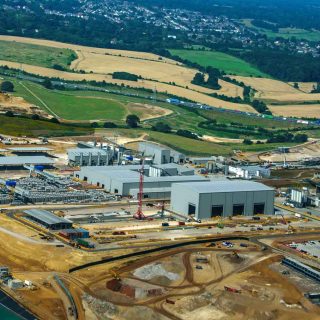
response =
{"points": [[276, 91], [296, 110], [161, 87], [306, 87], [55, 44], [154, 70]]}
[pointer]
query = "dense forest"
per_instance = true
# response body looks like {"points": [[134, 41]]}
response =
{"points": [[284, 66]]}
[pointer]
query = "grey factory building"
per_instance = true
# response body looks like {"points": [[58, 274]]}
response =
{"points": [[48, 219], [89, 157], [124, 180], [16, 161], [160, 154], [222, 198]]}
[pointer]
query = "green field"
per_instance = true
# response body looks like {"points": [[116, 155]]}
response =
{"points": [[229, 64], [34, 128], [287, 33], [227, 118], [192, 147], [36, 55], [70, 106]]}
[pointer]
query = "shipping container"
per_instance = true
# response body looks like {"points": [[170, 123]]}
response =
{"points": [[11, 183], [85, 243]]}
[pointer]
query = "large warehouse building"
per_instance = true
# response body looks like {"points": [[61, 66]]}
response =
{"points": [[124, 180], [48, 219], [222, 198]]}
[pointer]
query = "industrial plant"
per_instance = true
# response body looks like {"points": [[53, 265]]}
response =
{"points": [[140, 222]]}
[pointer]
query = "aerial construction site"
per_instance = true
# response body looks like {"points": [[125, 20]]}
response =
{"points": [[95, 229]]}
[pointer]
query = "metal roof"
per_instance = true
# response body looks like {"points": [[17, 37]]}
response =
{"points": [[46, 216], [302, 265], [225, 186], [30, 149], [86, 151], [151, 145], [19, 161], [134, 177], [127, 174]]}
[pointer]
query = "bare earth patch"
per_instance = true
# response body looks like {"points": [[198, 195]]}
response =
{"points": [[19, 105], [147, 111]]}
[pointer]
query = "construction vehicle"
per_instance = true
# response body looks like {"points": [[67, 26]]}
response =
{"points": [[45, 237], [235, 254], [212, 244], [291, 229], [283, 219], [70, 311], [59, 213], [170, 301], [230, 289], [115, 275]]}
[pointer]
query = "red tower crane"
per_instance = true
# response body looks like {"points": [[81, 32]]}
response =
{"points": [[139, 214]]}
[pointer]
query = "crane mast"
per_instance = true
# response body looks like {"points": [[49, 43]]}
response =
{"points": [[139, 214]]}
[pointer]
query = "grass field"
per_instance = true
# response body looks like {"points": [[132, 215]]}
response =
{"points": [[219, 60], [34, 128], [193, 147], [88, 105], [36, 55], [227, 118], [70, 106]]}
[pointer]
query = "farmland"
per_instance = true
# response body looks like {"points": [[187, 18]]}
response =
{"points": [[36, 55], [159, 73], [296, 110], [219, 60], [277, 91]]}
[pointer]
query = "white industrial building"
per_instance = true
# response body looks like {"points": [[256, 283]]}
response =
{"points": [[124, 180], [160, 154], [249, 172], [89, 157], [222, 198]]}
